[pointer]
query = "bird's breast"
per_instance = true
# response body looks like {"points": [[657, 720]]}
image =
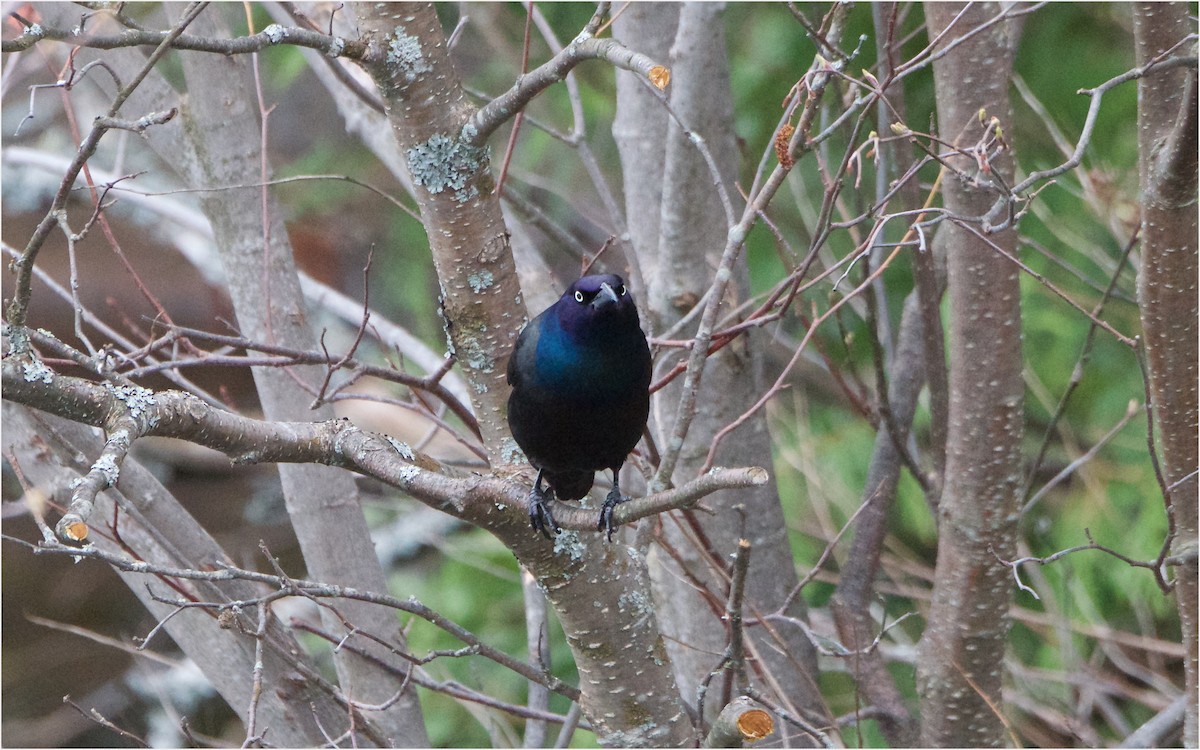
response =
{"points": [[583, 372]]}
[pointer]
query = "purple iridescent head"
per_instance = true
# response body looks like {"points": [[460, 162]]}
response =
{"points": [[596, 305]]}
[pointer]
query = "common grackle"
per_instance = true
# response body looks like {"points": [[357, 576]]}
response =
{"points": [[580, 377]]}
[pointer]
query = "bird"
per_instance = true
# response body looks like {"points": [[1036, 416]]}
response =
{"points": [[580, 376]]}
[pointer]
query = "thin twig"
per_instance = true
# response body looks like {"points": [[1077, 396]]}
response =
{"points": [[253, 738], [1072, 467], [18, 308], [98, 718]]}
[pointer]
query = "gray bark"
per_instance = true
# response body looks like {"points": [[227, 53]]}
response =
{"points": [[960, 669], [851, 603], [678, 226], [1167, 145], [600, 591], [221, 125]]}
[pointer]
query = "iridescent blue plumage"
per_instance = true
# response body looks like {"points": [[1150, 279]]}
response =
{"points": [[580, 374]]}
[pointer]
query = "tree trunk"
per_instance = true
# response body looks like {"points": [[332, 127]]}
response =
{"points": [[678, 226], [629, 696], [1167, 293], [959, 671], [319, 499], [917, 356]]}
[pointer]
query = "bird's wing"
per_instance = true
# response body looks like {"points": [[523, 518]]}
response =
{"points": [[524, 351]]}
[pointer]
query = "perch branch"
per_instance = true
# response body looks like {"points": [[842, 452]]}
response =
{"points": [[334, 443]]}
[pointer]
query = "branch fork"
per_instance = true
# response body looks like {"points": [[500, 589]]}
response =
{"points": [[129, 412]]}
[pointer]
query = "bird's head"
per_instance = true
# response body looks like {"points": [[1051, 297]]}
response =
{"points": [[597, 303]]}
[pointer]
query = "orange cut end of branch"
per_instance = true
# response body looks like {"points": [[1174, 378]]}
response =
{"points": [[660, 76], [755, 724], [77, 531]]}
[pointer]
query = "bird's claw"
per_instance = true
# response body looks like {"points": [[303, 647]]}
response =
{"points": [[540, 517], [613, 499]]}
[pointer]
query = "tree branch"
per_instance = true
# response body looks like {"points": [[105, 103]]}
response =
{"points": [[960, 674], [272, 35], [282, 586], [501, 109], [333, 443], [18, 308]]}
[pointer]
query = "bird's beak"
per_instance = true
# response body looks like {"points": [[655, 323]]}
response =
{"points": [[606, 296]]}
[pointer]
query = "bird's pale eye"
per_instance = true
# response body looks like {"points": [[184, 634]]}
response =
{"points": [[621, 290], [578, 296]]}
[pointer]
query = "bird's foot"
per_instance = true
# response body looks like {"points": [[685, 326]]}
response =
{"points": [[540, 517], [613, 499]]}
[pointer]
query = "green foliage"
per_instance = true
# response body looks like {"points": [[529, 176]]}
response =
{"points": [[1066, 47], [476, 583], [407, 281]]}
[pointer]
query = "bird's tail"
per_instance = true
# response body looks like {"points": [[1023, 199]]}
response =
{"points": [[570, 485]]}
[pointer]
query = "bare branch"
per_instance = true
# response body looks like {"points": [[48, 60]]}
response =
{"points": [[96, 716], [584, 47], [271, 36], [334, 443], [282, 586], [18, 307]]}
